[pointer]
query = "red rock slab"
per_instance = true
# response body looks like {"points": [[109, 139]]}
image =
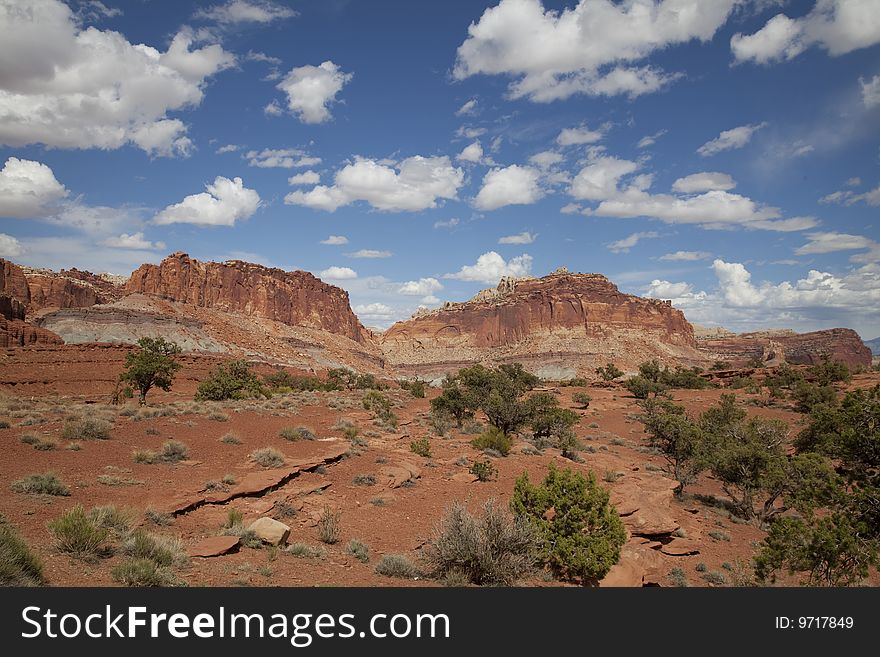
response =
{"points": [[465, 477], [680, 548], [213, 546], [398, 474]]}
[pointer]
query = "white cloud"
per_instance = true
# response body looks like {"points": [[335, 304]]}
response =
{"points": [[838, 26], [853, 182], [68, 87], [831, 242], [312, 89], [10, 247], [335, 240], [469, 132], [374, 311], [577, 136], [704, 181], [602, 180], [281, 158], [228, 148], [730, 139], [468, 108], [225, 202], [520, 238], [870, 91], [29, 190], [246, 11], [421, 288], [338, 273], [273, 109], [513, 185], [92, 11], [133, 241], [256, 56], [305, 178], [628, 242], [592, 48], [471, 153], [849, 197], [491, 267], [686, 256], [448, 223], [546, 159], [650, 140], [370, 253], [416, 184]]}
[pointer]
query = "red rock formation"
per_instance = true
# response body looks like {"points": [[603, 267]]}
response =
{"points": [[69, 288], [14, 297], [13, 282], [295, 298], [16, 333], [567, 322], [799, 348]]}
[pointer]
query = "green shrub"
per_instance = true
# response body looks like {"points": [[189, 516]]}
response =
{"points": [[230, 439], [493, 438], [483, 470], [642, 388], [328, 526], [359, 550], [810, 395], [143, 572], [18, 565], [421, 447], [581, 539], [380, 405], [161, 550], [77, 533], [831, 371], [41, 484], [416, 388], [231, 380], [305, 551], [364, 480], [298, 433], [154, 364], [576, 382], [86, 428], [396, 565], [494, 548], [582, 399], [609, 372], [268, 457], [29, 439], [117, 521], [173, 451]]}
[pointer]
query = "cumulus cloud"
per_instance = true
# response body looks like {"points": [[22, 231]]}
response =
{"points": [[338, 273], [830, 242], [730, 139], [245, 11], [468, 108], [370, 253], [513, 185], [546, 159], [520, 238], [281, 158], [578, 136], [228, 148], [68, 87], [849, 197], [491, 267], [686, 256], [471, 153], [312, 89], [870, 91], [704, 181], [607, 180], [416, 183], [225, 202], [10, 247], [650, 140], [305, 178], [628, 242], [838, 26], [374, 312], [420, 288], [133, 241], [29, 190], [447, 223], [594, 48], [335, 240]]}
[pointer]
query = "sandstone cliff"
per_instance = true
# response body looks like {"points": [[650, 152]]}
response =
{"points": [[797, 348], [69, 288], [295, 298], [14, 301], [559, 325]]}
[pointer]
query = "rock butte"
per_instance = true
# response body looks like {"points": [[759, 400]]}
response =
{"points": [[561, 325]]}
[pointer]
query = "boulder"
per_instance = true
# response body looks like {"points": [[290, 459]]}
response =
{"points": [[270, 531]]}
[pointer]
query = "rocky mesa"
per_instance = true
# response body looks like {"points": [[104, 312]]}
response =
{"points": [[295, 298], [774, 347], [558, 326]]}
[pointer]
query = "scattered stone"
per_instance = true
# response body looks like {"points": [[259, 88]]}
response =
{"points": [[464, 477], [213, 546], [270, 531]]}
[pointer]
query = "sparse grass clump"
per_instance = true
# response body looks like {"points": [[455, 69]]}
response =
{"points": [[304, 551], [364, 480], [329, 526], [41, 484], [18, 565], [678, 578], [162, 550], [218, 417], [483, 470], [230, 439], [493, 438], [359, 550], [77, 533], [421, 447], [4, 424], [159, 518], [29, 439], [719, 535], [268, 457], [396, 565], [45, 445], [86, 428], [298, 433], [73, 447], [493, 548], [172, 451], [143, 572], [117, 521]]}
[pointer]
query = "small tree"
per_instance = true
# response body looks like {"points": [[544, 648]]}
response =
{"points": [[153, 365], [547, 420], [452, 402], [678, 438], [609, 372], [580, 532], [232, 380]]}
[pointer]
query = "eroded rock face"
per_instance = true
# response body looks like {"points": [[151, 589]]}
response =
{"points": [[69, 288], [566, 322], [295, 298], [13, 282], [797, 348], [16, 333], [14, 300]]}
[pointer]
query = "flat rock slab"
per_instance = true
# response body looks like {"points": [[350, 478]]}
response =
{"points": [[465, 477], [681, 548], [213, 546], [398, 474]]}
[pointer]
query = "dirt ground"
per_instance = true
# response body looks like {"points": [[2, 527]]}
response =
{"points": [[392, 516]]}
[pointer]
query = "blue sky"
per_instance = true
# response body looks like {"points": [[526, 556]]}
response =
{"points": [[723, 154]]}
